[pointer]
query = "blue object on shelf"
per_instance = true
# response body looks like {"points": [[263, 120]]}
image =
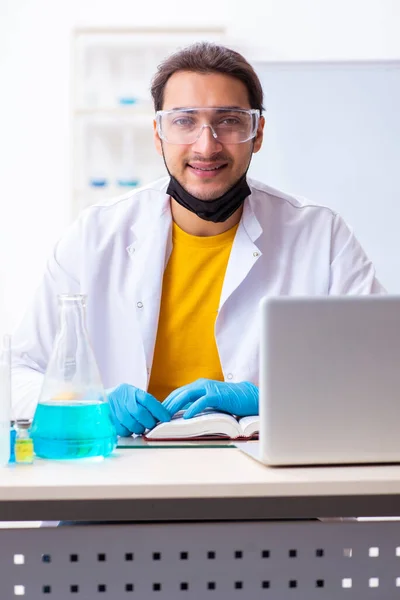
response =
{"points": [[98, 182], [127, 101], [128, 182]]}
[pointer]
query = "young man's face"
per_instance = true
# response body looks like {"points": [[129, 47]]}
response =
{"points": [[189, 163]]}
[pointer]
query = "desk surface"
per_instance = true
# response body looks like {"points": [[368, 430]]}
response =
{"points": [[171, 483]]}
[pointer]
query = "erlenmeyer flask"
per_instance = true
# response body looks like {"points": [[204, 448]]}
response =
{"points": [[72, 418]]}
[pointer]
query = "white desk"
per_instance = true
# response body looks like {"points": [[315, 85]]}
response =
{"points": [[203, 523], [195, 481]]}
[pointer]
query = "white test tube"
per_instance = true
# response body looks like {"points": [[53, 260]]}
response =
{"points": [[5, 398]]}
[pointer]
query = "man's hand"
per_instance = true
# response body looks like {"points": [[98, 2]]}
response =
{"points": [[134, 410], [239, 399]]}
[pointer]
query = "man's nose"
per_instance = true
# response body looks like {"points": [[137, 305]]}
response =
{"points": [[207, 141]]}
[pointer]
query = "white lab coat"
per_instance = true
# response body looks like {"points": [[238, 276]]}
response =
{"points": [[116, 253]]}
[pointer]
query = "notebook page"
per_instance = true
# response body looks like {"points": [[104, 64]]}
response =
{"points": [[206, 423], [249, 425]]}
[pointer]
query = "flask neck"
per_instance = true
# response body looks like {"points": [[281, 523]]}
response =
{"points": [[72, 373], [72, 341], [72, 315]]}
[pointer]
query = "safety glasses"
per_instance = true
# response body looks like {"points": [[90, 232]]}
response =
{"points": [[227, 125]]}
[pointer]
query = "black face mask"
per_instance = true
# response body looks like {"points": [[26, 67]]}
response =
{"points": [[217, 210]]}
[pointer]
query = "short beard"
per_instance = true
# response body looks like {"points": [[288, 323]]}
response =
{"points": [[208, 196]]}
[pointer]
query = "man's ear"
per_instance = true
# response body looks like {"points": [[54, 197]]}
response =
{"points": [[157, 140], [258, 140]]}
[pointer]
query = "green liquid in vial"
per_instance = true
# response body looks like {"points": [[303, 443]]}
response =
{"points": [[73, 430]]}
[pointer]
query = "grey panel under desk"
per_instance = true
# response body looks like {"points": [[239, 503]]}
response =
{"points": [[303, 560], [201, 509]]}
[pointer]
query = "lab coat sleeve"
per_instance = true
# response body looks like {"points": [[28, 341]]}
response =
{"points": [[351, 271], [33, 338]]}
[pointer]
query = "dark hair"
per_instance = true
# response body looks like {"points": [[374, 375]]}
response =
{"points": [[207, 57]]}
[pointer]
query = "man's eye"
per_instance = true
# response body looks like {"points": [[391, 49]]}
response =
{"points": [[230, 121], [183, 122]]}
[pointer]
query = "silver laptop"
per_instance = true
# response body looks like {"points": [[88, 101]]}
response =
{"points": [[330, 380]]}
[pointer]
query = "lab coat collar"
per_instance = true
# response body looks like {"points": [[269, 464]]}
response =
{"points": [[152, 246], [160, 204], [157, 204], [153, 226], [149, 252], [244, 253], [249, 219]]}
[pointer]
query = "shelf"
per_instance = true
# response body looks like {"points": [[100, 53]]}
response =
{"points": [[145, 37], [112, 138], [112, 190], [123, 111], [98, 194], [138, 115], [83, 198]]}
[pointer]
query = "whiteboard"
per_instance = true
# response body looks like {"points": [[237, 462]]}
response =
{"points": [[332, 135]]}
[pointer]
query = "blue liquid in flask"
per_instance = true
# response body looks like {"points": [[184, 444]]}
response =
{"points": [[73, 430]]}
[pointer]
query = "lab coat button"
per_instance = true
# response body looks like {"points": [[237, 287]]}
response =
{"points": [[139, 304], [229, 376], [256, 254], [131, 250]]}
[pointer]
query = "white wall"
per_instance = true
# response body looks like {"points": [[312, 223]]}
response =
{"points": [[35, 76], [323, 29]]}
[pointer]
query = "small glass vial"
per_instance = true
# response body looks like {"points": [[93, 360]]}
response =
{"points": [[23, 444]]}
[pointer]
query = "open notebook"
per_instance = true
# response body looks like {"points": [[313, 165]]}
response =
{"points": [[208, 425]]}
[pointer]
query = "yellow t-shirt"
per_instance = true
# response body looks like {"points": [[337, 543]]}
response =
{"points": [[185, 346]]}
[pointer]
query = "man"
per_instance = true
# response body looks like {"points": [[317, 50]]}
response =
{"points": [[174, 271]]}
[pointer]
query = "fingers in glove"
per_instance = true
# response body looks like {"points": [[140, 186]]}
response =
{"points": [[155, 408], [137, 427], [144, 417], [197, 407], [181, 397], [120, 429], [123, 421]]}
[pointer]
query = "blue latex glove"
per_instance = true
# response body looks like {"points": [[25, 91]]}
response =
{"points": [[239, 399], [134, 410]]}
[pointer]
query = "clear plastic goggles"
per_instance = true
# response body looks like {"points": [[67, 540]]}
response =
{"points": [[227, 125]]}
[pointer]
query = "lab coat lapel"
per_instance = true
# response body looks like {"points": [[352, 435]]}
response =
{"points": [[244, 253], [149, 253]]}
